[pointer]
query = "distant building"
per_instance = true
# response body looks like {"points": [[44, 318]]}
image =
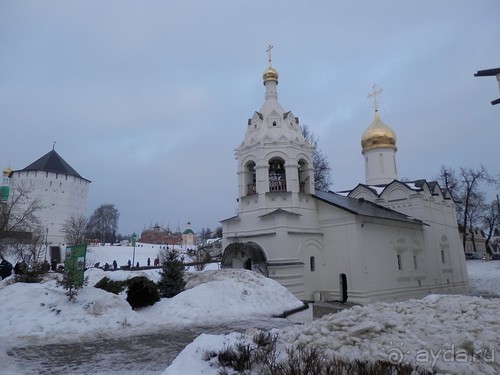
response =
{"points": [[383, 240], [475, 241], [62, 192], [188, 236], [160, 236]]}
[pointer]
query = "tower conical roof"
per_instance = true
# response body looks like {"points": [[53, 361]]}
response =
{"points": [[52, 162]]}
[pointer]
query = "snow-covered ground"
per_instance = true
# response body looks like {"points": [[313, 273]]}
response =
{"points": [[454, 334], [484, 277]]}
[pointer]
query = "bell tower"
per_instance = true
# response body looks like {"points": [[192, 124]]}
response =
{"points": [[275, 167]]}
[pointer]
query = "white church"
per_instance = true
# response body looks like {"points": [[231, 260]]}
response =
{"points": [[61, 190], [383, 240]]}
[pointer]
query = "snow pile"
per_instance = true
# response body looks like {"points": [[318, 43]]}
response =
{"points": [[43, 311], [452, 334]]}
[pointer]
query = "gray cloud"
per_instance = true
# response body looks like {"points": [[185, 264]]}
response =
{"points": [[149, 99]]}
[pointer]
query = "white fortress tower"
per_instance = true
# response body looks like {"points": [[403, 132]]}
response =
{"points": [[62, 193]]}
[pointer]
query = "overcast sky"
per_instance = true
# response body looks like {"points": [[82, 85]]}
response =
{"points": [[148, 99]]}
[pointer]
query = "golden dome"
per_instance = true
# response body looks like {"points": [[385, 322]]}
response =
{"points": [[378, 135], [270, 74], [7, 171]]}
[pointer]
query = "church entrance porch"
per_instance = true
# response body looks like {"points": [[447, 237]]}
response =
{"points": [[246, 255]]}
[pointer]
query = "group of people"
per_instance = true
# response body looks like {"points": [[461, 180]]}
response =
{"points": [[114, 266], [21, 268], [107, 267]]}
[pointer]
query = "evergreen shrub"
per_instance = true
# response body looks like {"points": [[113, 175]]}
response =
{"points": [[171, 275], [142, 292], [111, 286]]}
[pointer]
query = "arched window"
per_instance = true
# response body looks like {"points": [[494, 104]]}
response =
{"points": [[303, 176], [312, 264], [277, 176], [381, 162], [250, 178]]}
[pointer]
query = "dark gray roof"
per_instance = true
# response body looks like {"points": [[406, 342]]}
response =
{"points": [[53, 162], [363, 207], [487, 72]]}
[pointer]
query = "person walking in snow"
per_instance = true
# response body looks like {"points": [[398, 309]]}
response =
{"points": [[5, 269], [115, 265], [149, 262]]}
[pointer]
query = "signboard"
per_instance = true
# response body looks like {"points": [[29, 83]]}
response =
{"points": [[74, 262]]}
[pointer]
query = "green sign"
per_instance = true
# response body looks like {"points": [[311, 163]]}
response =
{"points": [[4, 193], [74, 263]]}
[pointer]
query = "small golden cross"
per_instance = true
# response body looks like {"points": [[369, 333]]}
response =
{"points": [[269, 51], [374, 95]]}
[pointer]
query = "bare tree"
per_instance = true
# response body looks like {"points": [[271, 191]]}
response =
{"points": [[21, 232], [218, 232], [470, 180], [322, 177], [475, 212], [30, 251], [491, 218], [75, 230], [449, 180], [103, 223], [465, 189]]}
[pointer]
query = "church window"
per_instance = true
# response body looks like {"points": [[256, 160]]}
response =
{"points": [[381, 162], [400, 264], [415, 263], [445, 251], [303, 177], [277, 177], [312, 264], [250, 178], [274, 123]]}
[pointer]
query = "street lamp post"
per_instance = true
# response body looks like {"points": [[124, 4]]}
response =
{"points": [[46, 243], [134, 237]]}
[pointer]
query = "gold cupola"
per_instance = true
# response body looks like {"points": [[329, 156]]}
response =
{"points": [[7, 171], [270, 74], [378, 135]]}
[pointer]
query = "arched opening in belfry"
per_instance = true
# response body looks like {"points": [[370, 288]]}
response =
{"points": [[304, 177], [277, 175], [250, 178], [246, 255]]}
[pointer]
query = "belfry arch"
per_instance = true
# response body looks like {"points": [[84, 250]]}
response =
{"points": [[277, 174]]}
